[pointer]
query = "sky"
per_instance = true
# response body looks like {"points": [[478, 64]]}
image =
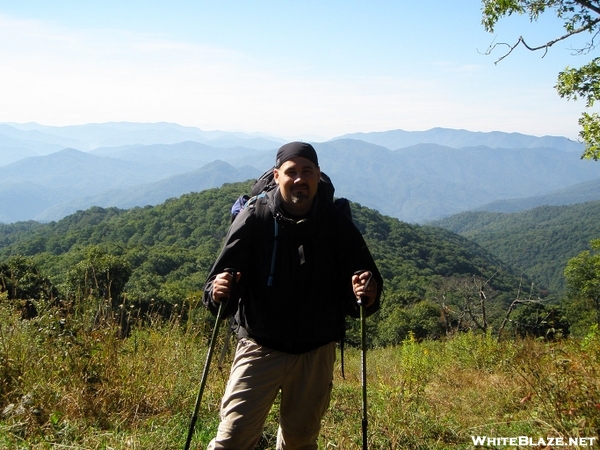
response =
{"points": [[313, 69]]}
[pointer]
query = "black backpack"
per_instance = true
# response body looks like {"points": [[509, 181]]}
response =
{"points": [[266, 183]]}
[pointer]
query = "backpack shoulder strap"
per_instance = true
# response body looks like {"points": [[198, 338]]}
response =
{"points": [[260, 204]]}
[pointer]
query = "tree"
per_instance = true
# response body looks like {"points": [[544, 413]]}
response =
{"points": [[539, 320], [99, 275], [578, 16], [21, 279], [464, 302], [583, 279], [97, 283]]}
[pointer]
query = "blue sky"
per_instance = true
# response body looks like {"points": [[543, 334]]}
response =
{"points": [[295, 69]]}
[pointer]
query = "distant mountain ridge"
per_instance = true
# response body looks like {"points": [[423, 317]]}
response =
{"points": [[416, 183], [41, 139], [447, 137], [48, 139], [580, 193], [210, 176], [427, 182]]}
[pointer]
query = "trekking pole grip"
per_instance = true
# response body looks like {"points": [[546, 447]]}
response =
{"points": [[363, 298]]}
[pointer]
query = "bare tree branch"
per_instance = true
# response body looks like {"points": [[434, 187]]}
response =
{"points": [[590, 46], [507, 317], [545, 46]]}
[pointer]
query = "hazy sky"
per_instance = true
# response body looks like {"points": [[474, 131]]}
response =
{"points": [[296, 69]]}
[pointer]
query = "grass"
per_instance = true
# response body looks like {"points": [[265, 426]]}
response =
{"points": [[67, 385]]}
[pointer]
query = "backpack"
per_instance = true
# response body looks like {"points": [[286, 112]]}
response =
{"points": [[266, 183]]}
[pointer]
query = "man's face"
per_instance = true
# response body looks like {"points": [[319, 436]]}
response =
{"points": [[298, 180]]}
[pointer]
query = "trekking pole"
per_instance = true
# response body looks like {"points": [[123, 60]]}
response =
{"points": [[363, 345], [211, 348], [363, 354], [225, 348]]}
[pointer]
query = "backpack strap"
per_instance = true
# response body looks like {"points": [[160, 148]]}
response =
{"points": [[274, 254], [263, 212]]}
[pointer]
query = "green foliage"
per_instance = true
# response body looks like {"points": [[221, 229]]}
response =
{"points": [[172, 244], [98, 275], [153, 258], [549, 244], [538, 242], [576, 83], [414, 260], [583, 280], [9, 233], [584, 82], [590, 133], [21, 278], [420, 320], [494, 10], [576, 14], [535, 319]]}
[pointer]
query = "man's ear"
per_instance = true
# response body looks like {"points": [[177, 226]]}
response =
{"points": [[276, 175]]}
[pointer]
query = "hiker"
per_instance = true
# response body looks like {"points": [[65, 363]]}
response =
{"points": [[298, 267]]}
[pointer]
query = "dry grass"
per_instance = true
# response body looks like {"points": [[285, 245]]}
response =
{"points": [[65, 385]]}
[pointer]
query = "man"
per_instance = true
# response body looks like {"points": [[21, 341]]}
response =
{"points": [[298, 267]]}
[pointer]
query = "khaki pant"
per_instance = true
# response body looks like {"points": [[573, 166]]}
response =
{"points": [[257, 375]]}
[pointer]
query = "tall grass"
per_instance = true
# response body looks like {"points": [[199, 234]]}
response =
{"points": [[66, 384]]}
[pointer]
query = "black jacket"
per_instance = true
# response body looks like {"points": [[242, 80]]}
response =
{"points": [[310, 292]]}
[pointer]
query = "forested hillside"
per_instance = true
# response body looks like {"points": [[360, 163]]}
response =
{"points": [[538, 242], [160, 255]]}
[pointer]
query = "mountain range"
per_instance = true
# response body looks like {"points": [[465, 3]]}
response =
{"points": [[47, 173]]}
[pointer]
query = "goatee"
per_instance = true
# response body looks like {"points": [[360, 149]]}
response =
{"points": [[299, 198]]}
